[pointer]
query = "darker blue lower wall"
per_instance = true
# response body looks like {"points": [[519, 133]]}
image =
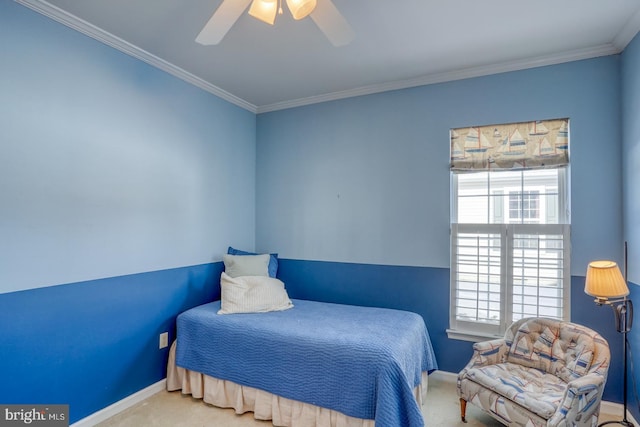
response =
{"points": [[634, 356], [93, 343], [425, 290]]}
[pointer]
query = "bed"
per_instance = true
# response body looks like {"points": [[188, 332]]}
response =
{"points": [[313, 364]]}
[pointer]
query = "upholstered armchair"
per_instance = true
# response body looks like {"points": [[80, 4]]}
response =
{"points": [[544, 372]]}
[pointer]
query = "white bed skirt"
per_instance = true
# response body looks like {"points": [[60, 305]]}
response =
{"points": [[265, 406]]}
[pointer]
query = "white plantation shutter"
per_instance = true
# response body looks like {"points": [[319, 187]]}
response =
{"points": [[504, 272], [539, 275], [477, 270]]}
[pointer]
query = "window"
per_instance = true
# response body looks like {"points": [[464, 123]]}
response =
{"points": [[509, 225], [523, 206], [510, 245]]}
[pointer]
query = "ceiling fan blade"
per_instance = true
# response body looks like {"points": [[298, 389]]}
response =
{"points": [[224, 17], [331, 22]]}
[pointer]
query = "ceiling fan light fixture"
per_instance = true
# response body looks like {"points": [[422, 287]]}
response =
{"points": [[301, 8], [264, 10]]}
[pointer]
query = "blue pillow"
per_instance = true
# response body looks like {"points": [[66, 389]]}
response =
{"points": [[273, 260]]}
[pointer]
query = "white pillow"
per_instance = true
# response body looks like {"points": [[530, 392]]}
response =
{"points": [[252, 294], [246, 265]]}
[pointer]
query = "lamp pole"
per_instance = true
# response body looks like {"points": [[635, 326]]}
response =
{"points": [[623, 311], [605, 282]]}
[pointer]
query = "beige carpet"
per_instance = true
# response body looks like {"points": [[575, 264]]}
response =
{"points": [[172, 409]]}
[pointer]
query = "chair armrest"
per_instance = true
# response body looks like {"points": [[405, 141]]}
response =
{"points": [[580, 405], [485, 353], [489, 353]]}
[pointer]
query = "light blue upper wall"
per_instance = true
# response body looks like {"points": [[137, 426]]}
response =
{"points": [[109, 166], [631, 154], [366, 179], [340, 181]]}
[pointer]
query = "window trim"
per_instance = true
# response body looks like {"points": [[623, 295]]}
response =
{"points": [[468, 331]]}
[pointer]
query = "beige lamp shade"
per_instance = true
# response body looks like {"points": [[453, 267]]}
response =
{"points": [[604, 280], [301, 8], [264, 10]]}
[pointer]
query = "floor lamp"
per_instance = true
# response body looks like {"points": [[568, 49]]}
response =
{"points": [[605, 282]]}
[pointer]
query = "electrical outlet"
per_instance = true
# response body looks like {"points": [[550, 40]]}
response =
{"points": [[164, 340]]}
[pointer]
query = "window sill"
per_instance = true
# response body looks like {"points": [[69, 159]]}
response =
{"points": [[456, 334]]}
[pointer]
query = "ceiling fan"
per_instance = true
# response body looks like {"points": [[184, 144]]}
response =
{"points": [[323, 12]]}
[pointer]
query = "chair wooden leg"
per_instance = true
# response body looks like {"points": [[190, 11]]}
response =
{"points": [[463, 409]]}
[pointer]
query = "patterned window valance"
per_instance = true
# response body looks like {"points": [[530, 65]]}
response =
{"points": [[526, 145]]}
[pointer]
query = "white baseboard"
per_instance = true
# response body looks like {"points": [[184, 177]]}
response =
{"points": [[121, 405], [445, 376], [606, 407]]}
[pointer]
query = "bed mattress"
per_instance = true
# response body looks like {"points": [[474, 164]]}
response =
{"points": [[363, 362]]}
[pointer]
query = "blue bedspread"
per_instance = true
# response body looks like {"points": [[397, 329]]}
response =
{"points": [[361, 361]]}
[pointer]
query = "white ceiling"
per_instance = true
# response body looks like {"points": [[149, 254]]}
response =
{"points": [[398, 44]]}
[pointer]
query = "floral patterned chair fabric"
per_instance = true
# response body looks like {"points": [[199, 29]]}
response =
{"points": [[544, 372]]}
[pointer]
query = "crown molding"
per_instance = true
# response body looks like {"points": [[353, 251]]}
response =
{"points": [[72, 21], [623, 38], [628, 32], [574, 55]]}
